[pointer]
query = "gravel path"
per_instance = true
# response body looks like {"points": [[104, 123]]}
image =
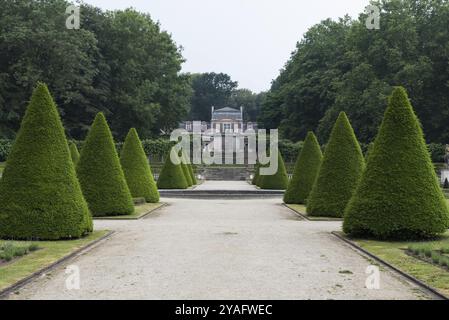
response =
{"points": [[229, 249]]}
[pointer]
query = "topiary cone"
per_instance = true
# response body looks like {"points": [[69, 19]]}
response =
{"points": [[256, 174], [172, 175], [340, 172], [137, 169], [399, 195], [101, 175], [185, 169], [190, 169], [306, 170], [40, 196], [278, 181], [74, 153]]}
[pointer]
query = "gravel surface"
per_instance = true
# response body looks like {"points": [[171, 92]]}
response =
{"points": [[221, 249]]}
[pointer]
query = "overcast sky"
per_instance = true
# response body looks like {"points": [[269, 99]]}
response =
{"points": [[249, 39]]}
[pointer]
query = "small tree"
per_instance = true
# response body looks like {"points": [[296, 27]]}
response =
{"points": [[446, 184], [40, 195], [101, 175], [305, 172], [74, 153], [137, 169], [278, 181], [172, 175], [340, 172], [399, 195]]}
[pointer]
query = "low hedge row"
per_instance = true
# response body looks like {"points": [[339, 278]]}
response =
{"points": [[158, 148]]}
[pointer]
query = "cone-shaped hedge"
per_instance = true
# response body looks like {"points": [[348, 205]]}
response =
{"points": [[74, 153], [192, 174], [340, 172], [40, 197], [306, 170], [137, 170], [172, 176], [101, 175], [256, 174], [399, 195], [190, 170], [185, 169], [278, 181]]}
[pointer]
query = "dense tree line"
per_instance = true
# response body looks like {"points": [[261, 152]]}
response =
{"points": [[219, 90], [343, 66], [118, 62]]}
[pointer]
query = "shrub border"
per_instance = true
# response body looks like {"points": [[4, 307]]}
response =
{"points": [[313, 218], [130, 218], [419, 283], [21, 283]]}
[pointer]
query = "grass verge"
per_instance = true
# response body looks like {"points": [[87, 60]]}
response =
{"points": [[395, 253], [302, 211], [139, 212], [49, 252]]}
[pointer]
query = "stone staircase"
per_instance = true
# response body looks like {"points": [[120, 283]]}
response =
{"points": [[225, 173]]}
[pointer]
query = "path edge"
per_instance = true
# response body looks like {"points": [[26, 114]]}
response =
{"points": [[23, 282], [411, 278], [162, 205]]}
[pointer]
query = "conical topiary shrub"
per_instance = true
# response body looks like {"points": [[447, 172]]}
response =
{"points": [[40, 197], [74, 153], [101, 175], [446, 184], [278, 181], [172, 175], [399, 195], [340, 172], [306, 171], [192, 174], [137, 170], [185, 169], [256, 174]]}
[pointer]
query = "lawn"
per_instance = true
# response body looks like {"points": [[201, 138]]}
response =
{"points": [[48, 252], [302, 210], [139, 212], [395, 253]]}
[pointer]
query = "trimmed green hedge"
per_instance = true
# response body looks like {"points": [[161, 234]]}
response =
{"points": [[340, 172], [137, 170], [40, 196], [278, 181], [172, 176], [101, 175], [74, 153], [305, 173], [399, 195]]}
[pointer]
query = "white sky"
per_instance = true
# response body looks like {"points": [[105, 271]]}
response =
{"points": [[248, 39]]}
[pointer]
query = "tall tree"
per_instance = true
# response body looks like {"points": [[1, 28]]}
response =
{"points": [[210, 89]]}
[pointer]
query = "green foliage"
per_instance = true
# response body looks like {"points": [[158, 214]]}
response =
{"points": [[137, 169], [172, 175], [40, 196], [11, 250], [342, 167], [74, 153], [437, 152], [119, 62], [343, 66], [278, 181], [446, 184], [399, 195], [186, 172], [5, 148], [256, 174], [210, 89], [306, 170], [100, 174]]}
